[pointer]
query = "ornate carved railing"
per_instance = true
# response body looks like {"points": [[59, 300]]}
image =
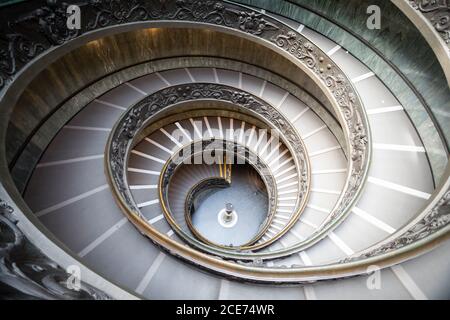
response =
{"points": [[141, 115], [230, 149], [437, 13], [31, 275]]}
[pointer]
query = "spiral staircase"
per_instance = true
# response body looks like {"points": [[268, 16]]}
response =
{"points": [[328, 173]]}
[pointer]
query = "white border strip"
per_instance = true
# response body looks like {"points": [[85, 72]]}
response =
{"points": [[148, 203], [143, 187], [408, 283], [87, 128], [71, 200], [398, 147], [73, 160], [363, 77], [109, 104], [333, 50], [340, 243], [150, 273], [94, 244], [398, 187], [136, 88], [384, 110], [374, 221]]}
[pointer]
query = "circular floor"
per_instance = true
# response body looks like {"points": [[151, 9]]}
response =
{"points": [[250, 205]]}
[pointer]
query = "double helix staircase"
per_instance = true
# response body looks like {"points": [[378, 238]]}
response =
{"points": [[108, 188]]}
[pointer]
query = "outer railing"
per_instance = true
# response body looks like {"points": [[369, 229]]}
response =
{"points": [[138, 117]]}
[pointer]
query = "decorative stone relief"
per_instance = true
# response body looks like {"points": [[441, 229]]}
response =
{"points": [[31, 274], [438, 13]]}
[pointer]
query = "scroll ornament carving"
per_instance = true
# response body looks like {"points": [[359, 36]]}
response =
{"points": [[347, 102], [31, 274], [438, 13]]}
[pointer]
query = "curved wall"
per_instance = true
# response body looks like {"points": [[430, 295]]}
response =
{"points": [[88, 63]]}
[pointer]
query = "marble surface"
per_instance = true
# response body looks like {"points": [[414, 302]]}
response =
{"points": [[398, 42]]}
